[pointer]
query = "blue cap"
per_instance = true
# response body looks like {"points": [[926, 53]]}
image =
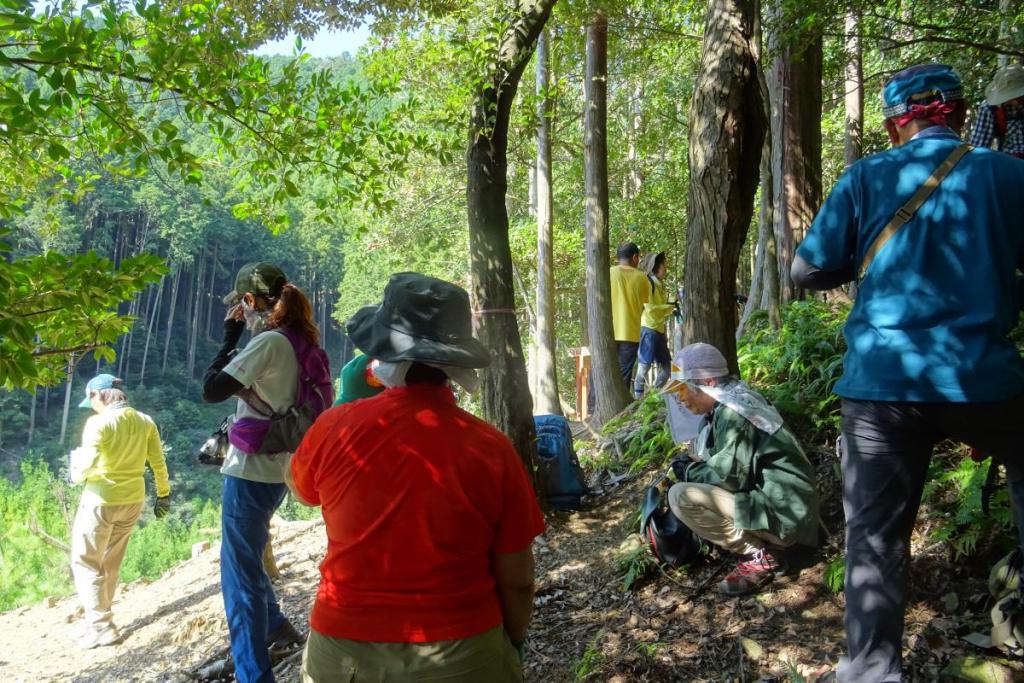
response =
{"points": [[920, 84], [97, 383]]}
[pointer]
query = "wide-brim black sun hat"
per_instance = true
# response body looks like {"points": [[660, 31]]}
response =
{"points": [[420, 319]]}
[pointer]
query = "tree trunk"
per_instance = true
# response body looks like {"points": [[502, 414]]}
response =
{"points": [[32, 419], [209, 295], [67, 398], [726, 135], [154, 314], [854, 92], [505, 396], [546, 397], [636, 176], [794, 82], [611, 394], [197, 312], [175, 279]]}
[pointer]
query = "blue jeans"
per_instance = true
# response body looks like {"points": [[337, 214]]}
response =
{"points": [[249, 602], [886, 450]]}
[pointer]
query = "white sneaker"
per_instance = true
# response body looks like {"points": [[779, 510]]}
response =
{"points": [[108, 636]]}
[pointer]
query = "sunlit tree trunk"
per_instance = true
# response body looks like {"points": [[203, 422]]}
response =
{"points": [[611, 393], [794, 82], [546, 397], [150, 328], [505, 395], [67, 398], [854, 91], [175, 279], [726, 136]]}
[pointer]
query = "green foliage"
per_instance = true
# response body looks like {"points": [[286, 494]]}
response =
{"points": [[835, 574], [591, 659], [952, 499], [635, 562], [796, 366], [647, 439], [71, 80], [53, 306]]}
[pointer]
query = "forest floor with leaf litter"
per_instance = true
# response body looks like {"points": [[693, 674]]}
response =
{"points": [[670, 626]]}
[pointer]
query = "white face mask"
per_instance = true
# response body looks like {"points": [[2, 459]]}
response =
{"points": [[391, 374], [255, 321]]}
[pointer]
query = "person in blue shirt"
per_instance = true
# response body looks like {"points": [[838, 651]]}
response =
{"points": [[928, 353]]}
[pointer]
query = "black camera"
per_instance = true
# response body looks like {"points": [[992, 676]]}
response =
{"points": [[214, 449]]}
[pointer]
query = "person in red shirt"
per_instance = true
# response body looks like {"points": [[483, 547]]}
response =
{"points": [[429, 511]]}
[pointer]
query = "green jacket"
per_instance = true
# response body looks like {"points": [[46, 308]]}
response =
{"points": [[773, 480]]}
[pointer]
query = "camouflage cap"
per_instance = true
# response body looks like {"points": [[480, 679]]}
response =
{"points": [[263, 278]]}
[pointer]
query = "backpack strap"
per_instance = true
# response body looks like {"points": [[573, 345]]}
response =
{"points": [[907, 211]]}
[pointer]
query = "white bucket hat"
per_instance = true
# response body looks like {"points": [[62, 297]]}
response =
{"points": [[696, 361], [1008, 84]]}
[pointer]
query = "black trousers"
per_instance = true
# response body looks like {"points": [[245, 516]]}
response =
{"points": [[886, 450]]}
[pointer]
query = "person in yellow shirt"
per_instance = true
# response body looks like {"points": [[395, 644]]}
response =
{"points": [[117, 443], [653, 342], [630, 291]]}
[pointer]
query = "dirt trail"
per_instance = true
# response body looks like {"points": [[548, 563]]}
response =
{"points": [[671, 627]]}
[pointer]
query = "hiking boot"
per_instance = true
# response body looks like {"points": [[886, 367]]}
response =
{"points": [[284, 640], [750, 575], [103, 638]]}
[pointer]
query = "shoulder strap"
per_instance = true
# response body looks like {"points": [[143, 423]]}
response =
{"points": [[907, 211]]}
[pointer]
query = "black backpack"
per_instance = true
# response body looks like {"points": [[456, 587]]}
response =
{"points": [[669, 540]]}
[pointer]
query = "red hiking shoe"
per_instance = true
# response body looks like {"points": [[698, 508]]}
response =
{"points": [[750, 575]]}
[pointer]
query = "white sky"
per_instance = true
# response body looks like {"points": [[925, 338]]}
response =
{"points": [[325, 43]]}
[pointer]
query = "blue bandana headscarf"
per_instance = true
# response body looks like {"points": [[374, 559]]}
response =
{"points": [[920, 84]]}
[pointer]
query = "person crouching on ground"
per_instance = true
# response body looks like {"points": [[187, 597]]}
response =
{"points": [[117, 443], [747, 486], [429, 511]]}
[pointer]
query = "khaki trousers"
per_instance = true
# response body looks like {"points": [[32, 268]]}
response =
{"points": [[710, 512], [488, 657], [99, 538]]}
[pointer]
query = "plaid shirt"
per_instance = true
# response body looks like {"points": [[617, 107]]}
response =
{"points": [[984, 131]]}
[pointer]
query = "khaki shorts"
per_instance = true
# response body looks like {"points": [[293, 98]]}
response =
{"points": [[485, 658]]}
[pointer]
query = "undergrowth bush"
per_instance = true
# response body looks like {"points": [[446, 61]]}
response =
{"points": [[952, 501], [796, 366], [643, 434]]}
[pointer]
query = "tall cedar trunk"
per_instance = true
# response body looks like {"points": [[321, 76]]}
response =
{"points": [[854, 94], [126, 339], [32, 419], [67, 398], [794, 82], [210, 289], [153, 315], [726, 135], [171, 310], [610, 392], [546, 397], [505, 396], [197, 313], [636, 176]]}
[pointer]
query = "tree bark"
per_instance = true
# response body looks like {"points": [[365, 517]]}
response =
{"points": [[854, 91], [154, 314], [546, 397], [209, 295], [610, 392], [175, 280], [726, 136], [67, 398], [505, 396], [32, 419], [794, 82], [197, 311]]}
